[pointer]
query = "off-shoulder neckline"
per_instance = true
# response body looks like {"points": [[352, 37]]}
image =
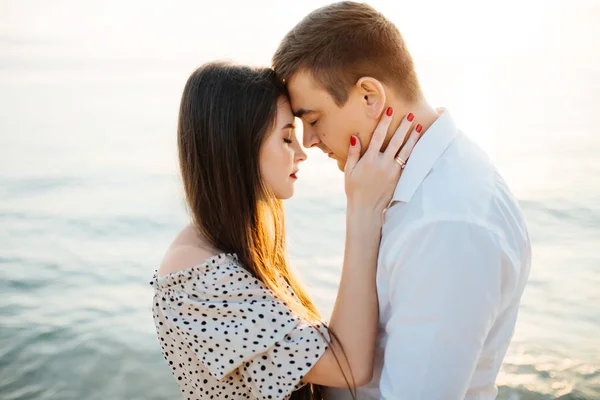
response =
{"points": [[216, 260]]}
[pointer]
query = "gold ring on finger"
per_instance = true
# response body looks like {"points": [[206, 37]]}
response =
{"points": [[400, 161]]}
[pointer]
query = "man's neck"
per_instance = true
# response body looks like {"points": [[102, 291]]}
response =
{"points": [[423, 112]]}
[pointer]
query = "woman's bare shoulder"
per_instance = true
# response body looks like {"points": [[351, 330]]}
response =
{"points": [[187, 250]]}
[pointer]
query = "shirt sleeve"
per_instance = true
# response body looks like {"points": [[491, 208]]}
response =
{"points": [[275, 373], [445, 288], [233, 322]]}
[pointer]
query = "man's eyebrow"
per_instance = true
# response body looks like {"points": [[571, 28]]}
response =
{"points": [[301, 111]]}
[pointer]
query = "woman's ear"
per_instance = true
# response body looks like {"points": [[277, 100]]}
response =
{"points": [[373, 95]]}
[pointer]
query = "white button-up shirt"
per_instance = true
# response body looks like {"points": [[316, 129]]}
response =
{"points": [[454, 259]]}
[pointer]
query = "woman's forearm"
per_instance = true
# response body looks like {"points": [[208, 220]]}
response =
{"points": [[355, 314]]}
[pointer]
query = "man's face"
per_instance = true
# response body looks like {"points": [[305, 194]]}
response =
{"points": [[325, 124]]}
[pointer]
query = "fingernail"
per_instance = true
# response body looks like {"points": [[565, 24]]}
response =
{"points": [[410, 117], [352, 141], [419, 128], [389, 111]]}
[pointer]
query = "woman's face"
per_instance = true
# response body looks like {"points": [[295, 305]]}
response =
{"points": [[281, 153]]}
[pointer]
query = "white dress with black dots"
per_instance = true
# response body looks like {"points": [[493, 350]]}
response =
{"points": [[226, 336]]}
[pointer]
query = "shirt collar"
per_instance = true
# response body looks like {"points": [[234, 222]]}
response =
{"points": [[426, 152]]}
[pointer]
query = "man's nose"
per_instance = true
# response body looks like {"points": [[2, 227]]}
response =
{"points": [[309, 138]]}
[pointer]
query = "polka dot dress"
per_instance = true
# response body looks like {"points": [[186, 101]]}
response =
{"points": [[226, 336]]}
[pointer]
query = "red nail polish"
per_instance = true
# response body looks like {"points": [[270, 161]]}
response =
{"points": [[410, 117], [352, 141], [389, 111], [419, 128]]}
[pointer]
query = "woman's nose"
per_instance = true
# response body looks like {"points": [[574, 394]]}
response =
{"points": [[300, 155]]}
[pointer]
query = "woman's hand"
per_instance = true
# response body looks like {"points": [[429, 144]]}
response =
{"points": [[372, 178], [370, 183]]}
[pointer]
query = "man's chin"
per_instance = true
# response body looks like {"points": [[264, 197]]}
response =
{"points": [[341, 164]]}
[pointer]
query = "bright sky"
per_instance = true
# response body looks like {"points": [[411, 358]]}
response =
{"points": [[454, 43], [250, 31]]}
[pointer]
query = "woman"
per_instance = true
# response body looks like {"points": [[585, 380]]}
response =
{"points": [[232, 319]]}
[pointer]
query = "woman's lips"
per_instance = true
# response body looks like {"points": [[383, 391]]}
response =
{"points": [[293, 176]]}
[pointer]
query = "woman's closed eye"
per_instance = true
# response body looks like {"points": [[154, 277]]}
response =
{"points": [[313, 123], [288, 139], [290, 136]]}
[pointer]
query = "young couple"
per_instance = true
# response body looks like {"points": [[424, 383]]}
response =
{"points": [[437, 253]]}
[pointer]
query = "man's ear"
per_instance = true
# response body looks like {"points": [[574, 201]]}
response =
{"points": [[373, 95]]}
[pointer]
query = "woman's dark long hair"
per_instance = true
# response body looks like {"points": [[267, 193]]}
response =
{"points": [[226, 113]]}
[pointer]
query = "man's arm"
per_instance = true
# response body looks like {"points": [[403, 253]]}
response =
{"points": [[445, 292]]}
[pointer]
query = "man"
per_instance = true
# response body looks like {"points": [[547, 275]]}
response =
{"points": [[455, 253]]}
